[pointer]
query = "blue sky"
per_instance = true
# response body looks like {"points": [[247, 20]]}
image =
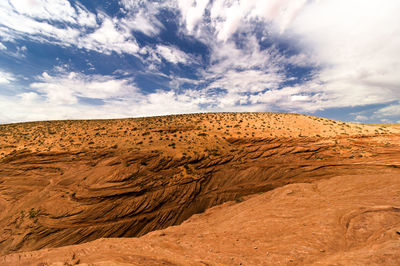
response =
{"points": [[64, 59]]}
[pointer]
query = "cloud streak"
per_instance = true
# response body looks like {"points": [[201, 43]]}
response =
{"points": [[6, 77]]}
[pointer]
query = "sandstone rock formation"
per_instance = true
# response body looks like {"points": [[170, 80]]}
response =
{"points": [[333, 190]]}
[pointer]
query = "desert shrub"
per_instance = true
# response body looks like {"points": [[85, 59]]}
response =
{"points": [[33, 213]]}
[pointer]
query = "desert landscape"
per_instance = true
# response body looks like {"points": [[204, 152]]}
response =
{"points": [[200, 189], [199, 132]]}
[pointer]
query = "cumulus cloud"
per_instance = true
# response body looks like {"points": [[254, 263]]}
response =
{"points": [[65, 88], [248, 69], [192, 12], [32, 107], [357, 55], [58, 96], [64, 94], [236, 75], [84, 17], [351, 44], [107, 38]]}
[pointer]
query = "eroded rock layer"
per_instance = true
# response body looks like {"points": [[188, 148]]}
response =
{"points": [[53, 198]]}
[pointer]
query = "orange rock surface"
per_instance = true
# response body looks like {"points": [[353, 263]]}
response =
{"points": [[297, 190]]}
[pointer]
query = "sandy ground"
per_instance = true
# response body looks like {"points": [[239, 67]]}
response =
{"points": [[173, 134]]}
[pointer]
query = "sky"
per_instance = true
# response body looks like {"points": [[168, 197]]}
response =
{"points": [[64, 59]]}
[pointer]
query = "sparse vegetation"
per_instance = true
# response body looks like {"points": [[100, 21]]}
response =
{"points": [[33, 213]]}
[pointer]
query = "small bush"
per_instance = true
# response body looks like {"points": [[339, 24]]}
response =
{"points": [[33, 213]]}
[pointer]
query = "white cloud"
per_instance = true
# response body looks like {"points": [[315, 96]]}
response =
{"points": [[60, 10], [242, 74], [85, 18], [154, 104], [142, 15], [153, 56], [62, 95], [388, 111], [356, 47], [27, 98], [130, 4], [18, 52], [17, 25], [56, 97], [143, 22], [353, 45], [65, 88], [247, 81], [6, 77], [226, 56], [32, 107], [192, 12], [2, 46], [361, 118], [30, 19], [108, 38], [228, 16], [177, 82], [172, 54], [286, 98]]}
